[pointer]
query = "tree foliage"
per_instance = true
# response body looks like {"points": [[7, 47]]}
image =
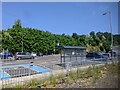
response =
{"points": [[35, 40]]}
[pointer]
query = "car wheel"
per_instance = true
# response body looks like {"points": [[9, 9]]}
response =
{"points": [[32, 57], [19, 58]]}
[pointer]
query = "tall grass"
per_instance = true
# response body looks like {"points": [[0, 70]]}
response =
{"points": [[53, 80]]}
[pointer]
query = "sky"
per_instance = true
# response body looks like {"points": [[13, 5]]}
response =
{"points": [[62, 17]]}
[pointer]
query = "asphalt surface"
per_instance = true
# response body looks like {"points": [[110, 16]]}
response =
{"points": [[37, 60], [52, 61]]}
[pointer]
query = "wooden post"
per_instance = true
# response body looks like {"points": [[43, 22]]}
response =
{"points": [[64, 55], [70, 55], [76, 54]]}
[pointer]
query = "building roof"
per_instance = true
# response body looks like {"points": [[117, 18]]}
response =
{"points": [[73, 47]]}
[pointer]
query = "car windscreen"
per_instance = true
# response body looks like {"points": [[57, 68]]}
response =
{"points": [[105, 54], [21, 53], [98, 53], [90, 54]]}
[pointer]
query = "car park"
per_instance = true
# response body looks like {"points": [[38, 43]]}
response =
{"points": [[23, 55]]}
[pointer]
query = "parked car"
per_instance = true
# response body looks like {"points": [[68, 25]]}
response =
{"points": [[112, 53], [23, 55], [5, 55], [106, 55], [96, 55]]}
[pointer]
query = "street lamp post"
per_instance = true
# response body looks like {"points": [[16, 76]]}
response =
{"points": [[22, 43], [54, 47], [110, 28]]}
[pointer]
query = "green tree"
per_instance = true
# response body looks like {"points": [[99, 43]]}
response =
{"points": [[35, 40], [75, 36], [17, 24], [92, 34]]}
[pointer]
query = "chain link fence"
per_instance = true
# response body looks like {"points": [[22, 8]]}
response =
{"points": [[18, 72]]}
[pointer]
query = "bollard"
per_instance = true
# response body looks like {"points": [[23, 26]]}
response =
{"points": [[31, 64], [67, 69]]}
